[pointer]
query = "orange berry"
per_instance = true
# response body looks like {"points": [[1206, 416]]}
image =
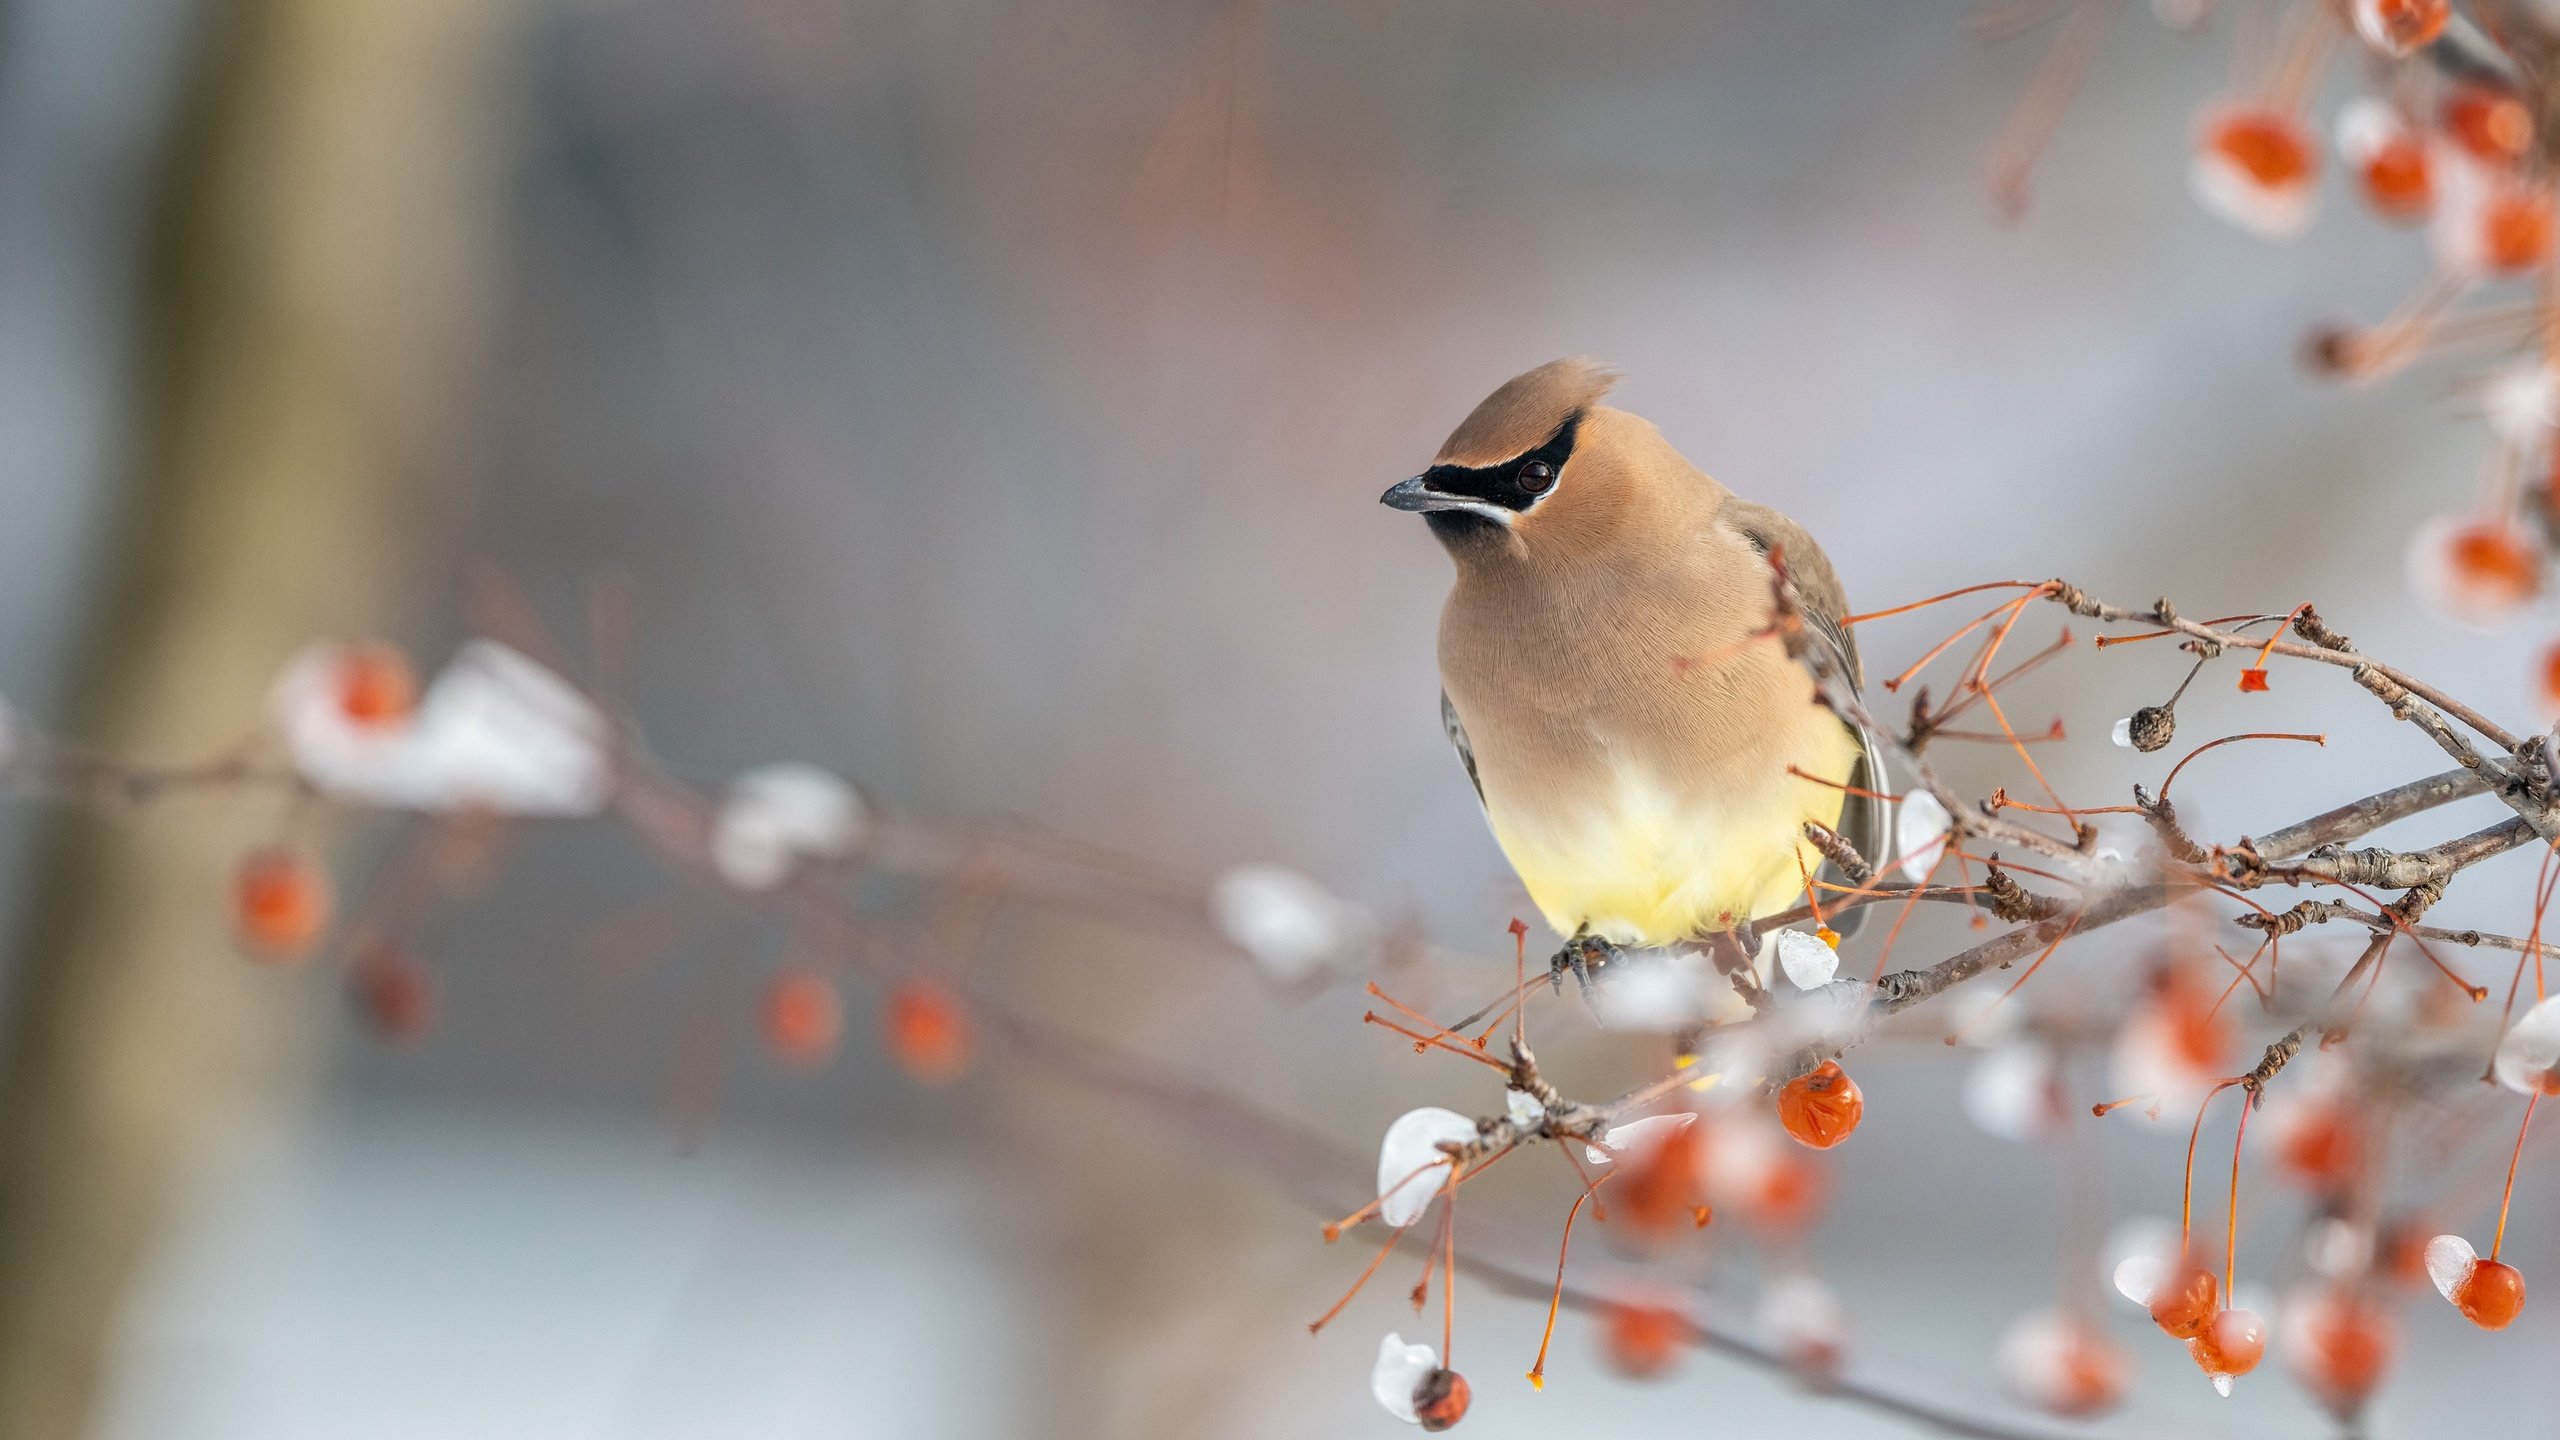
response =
{"points": [[1821, 1108], [2515, 229], [2550, 677], [2197, 1027], [2493, 559], [2342, 1344], [394, 994], [2062, 1364], [1789, 1193], [1440, 1401], [803, 1018], [2476, 569], [927, 1033], [1661, 1190], [2267, 146], [2089, 1379], [2232, 1343], [2491, 124], [2395, 179], [375, 684], [2185, 1303], [2396, 27], [2255, 166], [2253, 681], [2492, 1295], [2323, 1146], [280, 904], [1641, 1341]]}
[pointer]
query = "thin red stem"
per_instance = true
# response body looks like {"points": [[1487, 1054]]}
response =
{"points": [[1555, 1302], [2499, 1240], [1936, 599], [2231, 1223], [2187, 1191], [2322, 740]]}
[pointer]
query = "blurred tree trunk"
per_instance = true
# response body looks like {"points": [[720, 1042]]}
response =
{"points": [[316, 263]]}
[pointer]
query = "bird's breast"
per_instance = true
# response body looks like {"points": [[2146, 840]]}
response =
{"points": [[1640, 861], [1635, 754]]}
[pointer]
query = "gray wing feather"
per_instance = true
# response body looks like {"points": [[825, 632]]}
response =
{"points": [[1458, 741], [1865, 822]]}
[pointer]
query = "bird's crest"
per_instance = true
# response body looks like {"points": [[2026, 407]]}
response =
{"points": [[1527, 411]]}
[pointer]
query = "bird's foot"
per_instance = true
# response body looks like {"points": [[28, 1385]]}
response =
{"points": [[1746, 938], [1585, 956], [1735, 953]]}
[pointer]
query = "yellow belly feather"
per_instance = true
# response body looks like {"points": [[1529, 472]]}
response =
{"points": [[1651, 868]]}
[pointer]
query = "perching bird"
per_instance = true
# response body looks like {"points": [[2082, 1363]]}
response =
{"points": [[1607, 678]]}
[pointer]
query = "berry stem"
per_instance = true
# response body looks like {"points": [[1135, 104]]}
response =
{"points": [[1449, 1282], [1555, 1302], [1935, 599], [2187, 1193], [2231, 1224], [2228, 739], [1374, 1262], [2499, 1240]]}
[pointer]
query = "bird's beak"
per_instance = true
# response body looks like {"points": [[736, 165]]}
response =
{"points": [[1421, 499]]}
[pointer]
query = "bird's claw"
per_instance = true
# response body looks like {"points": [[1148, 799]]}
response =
{"points": [[1585, 956]]}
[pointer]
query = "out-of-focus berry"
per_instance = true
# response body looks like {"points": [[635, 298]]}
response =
{"points": [[2340, 1343], [2487, 124], [2258, 168], [803, 1017], [393, 994], [2396, 27], [927, 1031], [2515, 228], [2480, 571], [2062, 1365], [1641, 1341], [280, 904], [376, 684], [1806, 1320]]}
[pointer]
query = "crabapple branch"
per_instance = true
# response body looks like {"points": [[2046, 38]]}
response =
{"points": [[2075, 889], [2392, 869], [2315, 912]]}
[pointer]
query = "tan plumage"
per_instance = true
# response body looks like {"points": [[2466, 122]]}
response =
{"points": [[1628, 734]]}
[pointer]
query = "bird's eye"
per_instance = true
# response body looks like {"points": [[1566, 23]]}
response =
{"points": [[1537, 477]]}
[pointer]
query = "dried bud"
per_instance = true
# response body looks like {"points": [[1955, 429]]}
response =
{"points": [[393, 994], [1440, 1401], [2151, 728], [2333, 352]]}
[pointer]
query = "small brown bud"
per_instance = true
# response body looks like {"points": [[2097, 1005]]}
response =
{"points": [[2152, 727], [2332, 352]]}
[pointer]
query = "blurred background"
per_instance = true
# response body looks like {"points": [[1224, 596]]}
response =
{"points": [[989, 399]]}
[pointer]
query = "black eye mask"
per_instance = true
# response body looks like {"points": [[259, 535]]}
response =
{"points": [[1503, 484]]}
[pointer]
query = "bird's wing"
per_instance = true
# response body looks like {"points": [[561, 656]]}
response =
{"points": [[1458, 742], [1865, 821]]}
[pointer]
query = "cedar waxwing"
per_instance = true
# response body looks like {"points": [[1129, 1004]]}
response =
{"points": [[1600, 676]]}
